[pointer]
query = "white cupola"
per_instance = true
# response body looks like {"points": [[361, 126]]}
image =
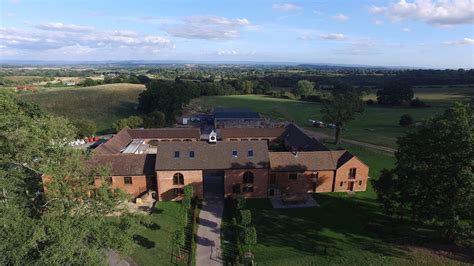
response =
{"points": [[212, 137]]}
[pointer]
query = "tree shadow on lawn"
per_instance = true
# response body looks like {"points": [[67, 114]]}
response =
{"points": [[143, 241], [328, 231]]}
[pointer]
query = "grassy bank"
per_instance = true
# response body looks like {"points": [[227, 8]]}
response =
{"points": [[103, 104]]}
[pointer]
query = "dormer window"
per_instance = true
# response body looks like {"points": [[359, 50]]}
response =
{"points": [[191, 154], [176, 154], [234, 153], [250, 153]]}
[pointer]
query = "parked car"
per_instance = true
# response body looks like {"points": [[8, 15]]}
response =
{"points": [[331, 125], [316, 123]]}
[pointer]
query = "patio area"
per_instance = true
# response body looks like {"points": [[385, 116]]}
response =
{"points": [[293, 201]]}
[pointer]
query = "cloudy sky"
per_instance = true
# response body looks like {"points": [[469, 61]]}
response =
{"points": [[419, 33]]}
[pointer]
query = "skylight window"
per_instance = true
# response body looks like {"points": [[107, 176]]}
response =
{"points": [[176, 154], [191, 154], [234, 153], [250, 153]]}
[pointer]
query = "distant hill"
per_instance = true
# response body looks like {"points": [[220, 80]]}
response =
{"points": [[103, 104]]}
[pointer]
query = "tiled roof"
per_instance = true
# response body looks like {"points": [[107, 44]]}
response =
{"points": [[308, 160], [300, 141], [251, 132], [126, 164], [116, 144], [165, 133], [211, 156]]}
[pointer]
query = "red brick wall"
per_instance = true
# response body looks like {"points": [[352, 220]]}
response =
{"points": [[166, 187], [137, 187], [260, 182], [303, 183], [342, 175]]}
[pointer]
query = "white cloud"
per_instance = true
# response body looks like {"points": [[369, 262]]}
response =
{"points": [[435, 12], [378, 22], [55, 42], [340, 17], [406, 30], [286, 7], [234, 53], [465, 41], [58, 26], [333, 37], [360, 47], [209, 28]]}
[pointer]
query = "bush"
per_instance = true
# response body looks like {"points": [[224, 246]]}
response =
{"points": [[418, 103], [154, 120], [131, 122], [406, 120], [370, 102], [239, 202], [245, 217], [85, 128]]}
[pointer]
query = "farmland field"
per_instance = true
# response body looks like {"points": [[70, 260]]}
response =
{"points": [[377, 125], [102, 104]]}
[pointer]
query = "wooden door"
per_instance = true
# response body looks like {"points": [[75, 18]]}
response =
{"points": [[350, 185]]}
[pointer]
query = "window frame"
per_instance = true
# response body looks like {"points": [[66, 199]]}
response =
{"points": [[128, 180], [192, 154], [176, 154], [250, 153], [290, 176], [352, 173], [248, 178], [178, 179], [235, 153]]}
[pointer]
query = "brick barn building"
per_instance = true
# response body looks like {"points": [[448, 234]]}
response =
{"points": [[254, 162]]}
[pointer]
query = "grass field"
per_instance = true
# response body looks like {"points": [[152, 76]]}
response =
{"points": [[103, 104], [377, 125], [344, 230]]}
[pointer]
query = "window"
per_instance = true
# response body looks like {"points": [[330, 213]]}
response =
{"points": [[273, 179], [247, 188], [248, 177], [341, 184], [234, 153], [127, 180], [176, 154], [178, 179], [292, 176], [178, 191], [352, 173], [191, 154], [314, 177], [250, 153], [360, 182]]}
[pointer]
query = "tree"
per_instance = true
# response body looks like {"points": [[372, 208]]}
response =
{"points": [[85, 128], [433, 178], [406, 120], [245, 217], [395, 92], [168, 97], [68, 224], [89, 82], [131, 122], [247, 87], [304, 88], [344, 104], [154, 119], [143, 79], [250, 236]]}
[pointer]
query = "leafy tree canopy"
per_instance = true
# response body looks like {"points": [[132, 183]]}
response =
{"points": [[344, 104], [304, 88], [395, 92], [68, 224], [131, 122], [433, 179]]}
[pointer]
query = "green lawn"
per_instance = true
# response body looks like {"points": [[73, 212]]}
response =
{"points": [[155, 240], [377, 125], [345, 230], [103, 104]]}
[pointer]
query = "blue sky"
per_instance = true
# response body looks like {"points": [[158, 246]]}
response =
{"points": [[419, 33]]}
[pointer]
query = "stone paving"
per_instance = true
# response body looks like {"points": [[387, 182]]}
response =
{"points": [[208, 249]]}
